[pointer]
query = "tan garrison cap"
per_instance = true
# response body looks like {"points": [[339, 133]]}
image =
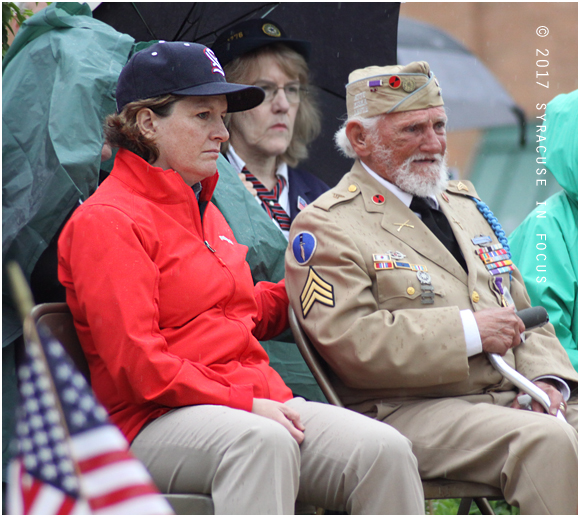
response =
{"points": [[375, 90]]}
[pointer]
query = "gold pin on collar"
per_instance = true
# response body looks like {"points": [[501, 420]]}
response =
{"points": [[461, 186], [400, 225]]}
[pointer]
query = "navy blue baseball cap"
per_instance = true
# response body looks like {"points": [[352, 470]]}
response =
{"points": [[252, 34], [181, 68]]}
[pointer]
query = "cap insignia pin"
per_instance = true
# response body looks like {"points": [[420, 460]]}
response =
{"points": [[378, 199], [395, 82], [271, 30], [409, 85], [461, 186]]}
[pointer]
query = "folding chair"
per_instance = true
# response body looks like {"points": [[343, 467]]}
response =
{"points": [[433, 488], [57, 317]]}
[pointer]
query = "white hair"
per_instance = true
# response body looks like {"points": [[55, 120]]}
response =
{"points": [[342, 142], [434, 178]]}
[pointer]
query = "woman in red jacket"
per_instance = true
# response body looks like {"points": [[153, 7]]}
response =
{"points": [[169, 318]]}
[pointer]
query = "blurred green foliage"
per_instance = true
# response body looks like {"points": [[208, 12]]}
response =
{"points": [[450, 507], [11, 11]]}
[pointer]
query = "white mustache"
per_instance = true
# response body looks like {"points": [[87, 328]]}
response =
{"points": [[423, 156]]}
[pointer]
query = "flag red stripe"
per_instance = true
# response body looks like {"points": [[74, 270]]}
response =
{"points": [[97, 503], [66, 506], [102, 460], [29, 494]]}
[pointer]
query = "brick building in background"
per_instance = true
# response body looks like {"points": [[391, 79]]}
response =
{"points": [[503, 36]]}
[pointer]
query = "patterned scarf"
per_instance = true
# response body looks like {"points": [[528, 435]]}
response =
{"points": [[270, 199]]}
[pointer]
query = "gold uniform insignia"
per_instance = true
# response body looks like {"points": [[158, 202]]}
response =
{"points": [[315, 290], [461, 186]]}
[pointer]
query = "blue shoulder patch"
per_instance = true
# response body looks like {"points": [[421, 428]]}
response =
{"points": [[303, 247]]}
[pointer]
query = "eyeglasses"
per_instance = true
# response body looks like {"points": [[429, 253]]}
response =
{"points": [[291, 90]]}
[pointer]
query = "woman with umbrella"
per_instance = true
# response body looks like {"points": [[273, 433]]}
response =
{"points": [[169, 318], [267, 142]]}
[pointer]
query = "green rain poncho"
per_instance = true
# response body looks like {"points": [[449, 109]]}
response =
{"points": [[58, 84], [551, 274]]}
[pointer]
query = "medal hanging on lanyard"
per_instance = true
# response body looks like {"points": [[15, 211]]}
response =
{"points": [[506, 297]]}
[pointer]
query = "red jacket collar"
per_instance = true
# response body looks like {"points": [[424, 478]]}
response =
{"points": [[164, 186]]}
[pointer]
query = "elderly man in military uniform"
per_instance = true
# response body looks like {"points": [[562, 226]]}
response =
{"points": [[404, 283]]}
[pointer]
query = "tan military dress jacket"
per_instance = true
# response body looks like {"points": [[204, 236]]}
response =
{"points": [[373, 324]]}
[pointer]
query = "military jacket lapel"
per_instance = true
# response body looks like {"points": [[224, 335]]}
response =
{"points": [[395, 213], [467, 222]]}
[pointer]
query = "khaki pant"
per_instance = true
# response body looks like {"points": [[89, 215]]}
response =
{"points": [[531, 457], [252, 465]]}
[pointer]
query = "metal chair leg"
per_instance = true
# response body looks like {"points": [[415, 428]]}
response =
{"points": [[464, 506], [484, 506]]}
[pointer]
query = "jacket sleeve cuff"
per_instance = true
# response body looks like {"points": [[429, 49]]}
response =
{"points": [[242, 396]]}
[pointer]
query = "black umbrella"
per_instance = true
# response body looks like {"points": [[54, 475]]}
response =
{"points": [[344, 36]]}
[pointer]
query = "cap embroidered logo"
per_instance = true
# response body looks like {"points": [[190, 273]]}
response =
{"points": [[217, 68]]}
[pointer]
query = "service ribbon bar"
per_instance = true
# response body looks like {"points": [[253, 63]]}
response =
{"points": [[499, 264], [384, 265], [487, 249], [501, 270]]}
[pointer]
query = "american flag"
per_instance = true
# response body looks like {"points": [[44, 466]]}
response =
{"points": [[71, 459], [301, 203]]}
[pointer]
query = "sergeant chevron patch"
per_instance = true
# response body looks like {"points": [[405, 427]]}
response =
{"points": [[315, 290]]}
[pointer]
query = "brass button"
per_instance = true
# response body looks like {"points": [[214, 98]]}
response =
{"points": [[410, 291], [352, 188], [475, 297]]}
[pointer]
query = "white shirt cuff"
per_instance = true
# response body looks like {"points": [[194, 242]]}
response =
{"points": [[562, 386], [471, 332]]}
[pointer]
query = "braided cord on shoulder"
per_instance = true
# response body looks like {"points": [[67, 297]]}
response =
{"points": [[494, 223]]}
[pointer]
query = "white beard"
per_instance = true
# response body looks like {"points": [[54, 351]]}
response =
{"points": [[430, 182]]}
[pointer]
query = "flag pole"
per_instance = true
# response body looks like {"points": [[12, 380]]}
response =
{"points": [[25, 303], [147, 499], [20, 291]]}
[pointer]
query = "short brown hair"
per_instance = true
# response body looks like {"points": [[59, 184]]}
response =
{"points": [[121, 129], [307, 124]]}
